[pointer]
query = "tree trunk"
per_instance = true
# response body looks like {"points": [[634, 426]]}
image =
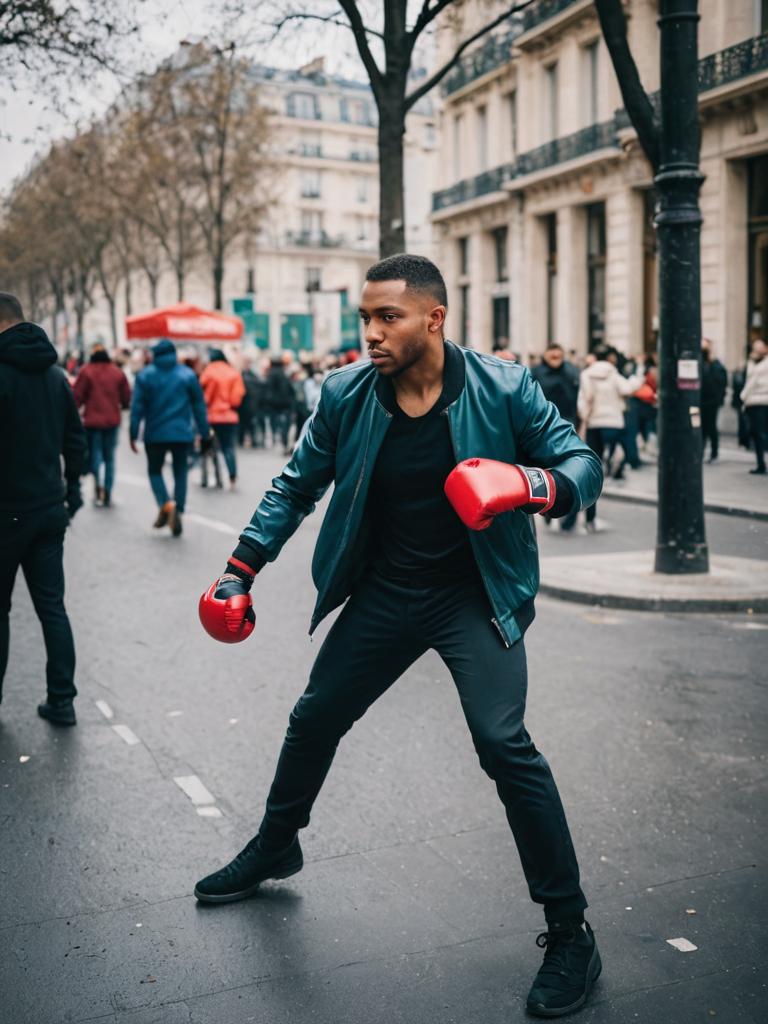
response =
{"points": [[179, 282], [128, 294], [681, 540], [391, 182], [112, 303], [152, 282]]}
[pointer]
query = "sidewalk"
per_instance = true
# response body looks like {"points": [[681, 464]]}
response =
{"points": [[729, 489]]}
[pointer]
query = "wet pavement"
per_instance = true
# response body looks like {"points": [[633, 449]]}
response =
{"points": [[412, 905]]}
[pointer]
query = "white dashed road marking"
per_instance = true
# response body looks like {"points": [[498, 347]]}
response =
{"points": [[683, 945], [202, 799], [126, 734], [105, 709], [212, 524]]}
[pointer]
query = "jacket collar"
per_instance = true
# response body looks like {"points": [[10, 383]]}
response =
{"points": [[454, 375]]}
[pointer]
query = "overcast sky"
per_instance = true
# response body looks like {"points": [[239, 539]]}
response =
{"points": [[28, 122]]}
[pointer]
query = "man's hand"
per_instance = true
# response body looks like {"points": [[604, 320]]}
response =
{"points": [[226, 610], [73, 500], [480, 489], [134, 446]]}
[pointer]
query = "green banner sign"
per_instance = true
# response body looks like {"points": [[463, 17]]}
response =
{"points": [[296, 331]]}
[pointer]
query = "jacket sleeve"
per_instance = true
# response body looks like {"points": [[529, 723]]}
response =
{"points": [[198, 405], [584, 399], [138, 407], [749, 382], [296, 491], [545, 439], [73, 445], [81, 388]]}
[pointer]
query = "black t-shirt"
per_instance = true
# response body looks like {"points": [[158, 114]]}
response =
{"points": [[416, 533]]}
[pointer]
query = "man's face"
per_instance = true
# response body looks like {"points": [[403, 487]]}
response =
{"points": [[554, 357], [759, 350], [399, 325]]}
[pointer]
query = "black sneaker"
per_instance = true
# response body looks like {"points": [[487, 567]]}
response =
{"points": [[58, 714], [242, 876], [570, 969]]}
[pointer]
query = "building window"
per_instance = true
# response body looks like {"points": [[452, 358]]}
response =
{"points": [[362, 232], [500, 252], [362, 189], [304, 105], [463, 244], [310, 184], [313, 279], [595, 274], [761, 17], [512, 121], [482, 138], [757, 185], [430, 137], [310, 145], [590, 82], [500, 322], [312, 226], [457, 133], [550, 226], [551, 105], [464, 314], [343, 109]]}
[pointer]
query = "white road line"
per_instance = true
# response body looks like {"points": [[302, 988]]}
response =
{"points": [[126, 734], [212, 524], [105, 709], [683, 945], [209, 812], [195, 790]]}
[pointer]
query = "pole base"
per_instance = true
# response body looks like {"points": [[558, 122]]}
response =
{"points": [[677, 561]]}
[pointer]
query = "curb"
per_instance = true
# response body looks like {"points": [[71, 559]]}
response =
{"points": [[755, 604], [638, 498]]}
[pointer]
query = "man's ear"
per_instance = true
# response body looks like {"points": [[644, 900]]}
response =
{"points": [[436, 319]]}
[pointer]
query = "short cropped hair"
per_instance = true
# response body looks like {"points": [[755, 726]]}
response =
{"points": [[10, 307], [419, 274]]}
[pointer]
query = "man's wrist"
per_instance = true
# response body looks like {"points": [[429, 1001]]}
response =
{"points": [[240, 570], [249, 556]]}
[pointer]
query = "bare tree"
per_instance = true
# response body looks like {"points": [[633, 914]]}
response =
{"points": [[391, 33]]}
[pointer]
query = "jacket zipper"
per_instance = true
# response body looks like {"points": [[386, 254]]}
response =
{"points": [[494, 620]]}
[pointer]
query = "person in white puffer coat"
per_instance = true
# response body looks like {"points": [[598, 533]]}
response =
{"points": [[601, 402], [754, 398]]}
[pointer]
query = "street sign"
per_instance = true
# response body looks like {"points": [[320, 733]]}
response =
{"points": [[296, 331]]}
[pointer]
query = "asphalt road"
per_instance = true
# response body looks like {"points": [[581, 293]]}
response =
{"points": [[412, 906]]}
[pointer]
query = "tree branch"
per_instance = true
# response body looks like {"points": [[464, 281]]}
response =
{"points": [[359, 31], [328, 19], [431, 82], [614, 26]]}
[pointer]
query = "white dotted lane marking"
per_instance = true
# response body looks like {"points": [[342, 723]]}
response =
{"points": [[201, 797], [683, 945], [212, 524], [126, 734], [105, 709]]}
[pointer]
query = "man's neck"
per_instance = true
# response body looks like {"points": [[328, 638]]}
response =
{"points": [[423, 378]]}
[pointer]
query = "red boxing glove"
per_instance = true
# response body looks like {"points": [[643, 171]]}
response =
{"points": [[226, 609], [480, 489]]}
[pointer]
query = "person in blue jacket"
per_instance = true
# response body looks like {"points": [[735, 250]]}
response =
{"points": [[168, 400]]}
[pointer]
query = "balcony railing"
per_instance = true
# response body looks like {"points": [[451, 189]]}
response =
{"points": [[494, 52], [542, 11], [567, 147], [471, 188], [315, 239], [736, 62]]}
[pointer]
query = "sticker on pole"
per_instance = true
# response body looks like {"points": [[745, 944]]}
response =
{"points": [[687, 374]]}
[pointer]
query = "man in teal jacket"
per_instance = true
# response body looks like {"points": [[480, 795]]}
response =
{"points": [[420, 442]]}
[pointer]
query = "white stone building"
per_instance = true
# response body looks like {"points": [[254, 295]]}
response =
{"points": [[543, 208]]}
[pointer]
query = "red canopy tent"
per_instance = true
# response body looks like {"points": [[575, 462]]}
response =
{"points": [[184, 322]]}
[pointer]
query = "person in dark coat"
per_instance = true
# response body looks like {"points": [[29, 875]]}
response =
{"points": [[280, 401], [714, 383], [559, 380], [39, 424], [167, 398], [101, 390]]}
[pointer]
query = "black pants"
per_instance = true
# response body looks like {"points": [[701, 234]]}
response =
{"points": [[383, 629], [599, 439], [709, 431], [35, 541], [757, 416]]}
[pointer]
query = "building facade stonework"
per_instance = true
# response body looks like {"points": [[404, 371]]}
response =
{"points": [[544, 207]]}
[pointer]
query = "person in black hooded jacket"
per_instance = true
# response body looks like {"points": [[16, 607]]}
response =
{"points": [[39, 424]]}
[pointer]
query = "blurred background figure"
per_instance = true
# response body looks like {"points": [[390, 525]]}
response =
{"points": [[101, 392], [754, 397], [714, 383], [279, 403], [602, 394], [224, 391], [167, 399], [251, 411], [559, 380]]}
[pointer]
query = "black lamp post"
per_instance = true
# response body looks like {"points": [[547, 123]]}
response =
{"points": [[681, 545]]}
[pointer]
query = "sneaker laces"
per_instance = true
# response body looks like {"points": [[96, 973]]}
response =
{"points": [[558, 947]]}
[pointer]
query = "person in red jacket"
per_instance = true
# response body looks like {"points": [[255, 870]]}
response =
{"points": [[224, 390], [101, 391]]}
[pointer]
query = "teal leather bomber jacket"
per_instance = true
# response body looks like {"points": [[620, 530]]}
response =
{"points": [[498, 412]]}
